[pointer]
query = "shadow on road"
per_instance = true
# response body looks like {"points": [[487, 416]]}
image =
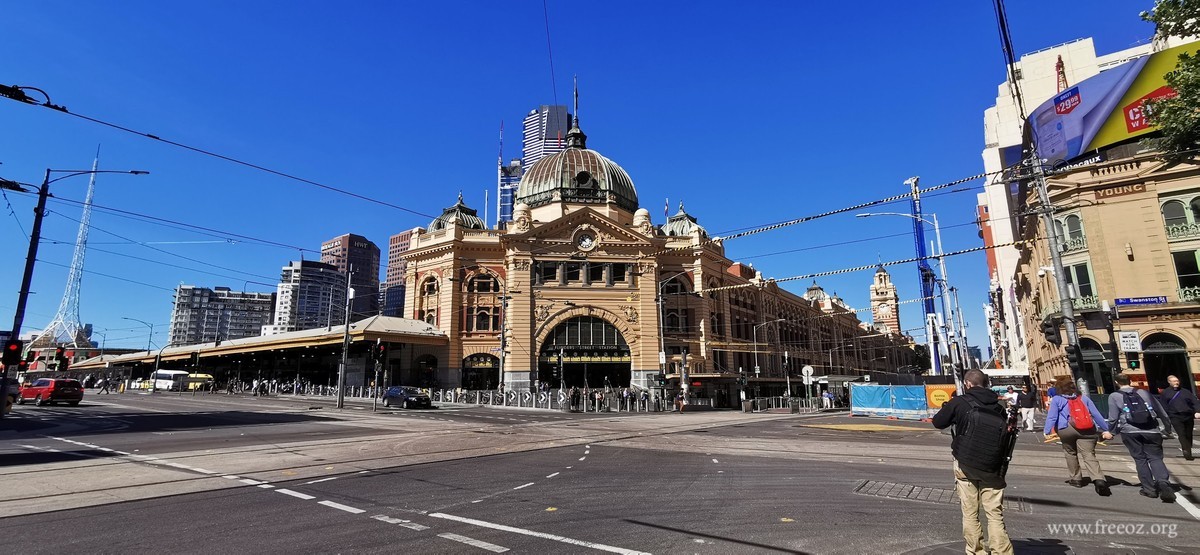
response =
{"points": [[45, 457], [715, 537], [141, 422]]}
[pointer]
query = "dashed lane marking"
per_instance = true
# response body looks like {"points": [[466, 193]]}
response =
{"points": [[295, 494], [250, 482], [552, 475], [715, 461], [543, 535], [266, 486], [524, 485], [321, 480], [341, 507], [474, 542], [202, 471], [400, 522], [581, 458]]}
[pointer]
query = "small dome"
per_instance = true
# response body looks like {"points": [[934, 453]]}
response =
{"points": [[577, 174], [460, 215], [682, 224]]}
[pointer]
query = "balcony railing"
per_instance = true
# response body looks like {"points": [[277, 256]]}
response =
{"points": [[1189, 294], [1085, 303], [1183, 231], [1074, 245]]}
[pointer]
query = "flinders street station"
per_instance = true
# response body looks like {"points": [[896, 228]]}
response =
{"points": [[582, 288]]}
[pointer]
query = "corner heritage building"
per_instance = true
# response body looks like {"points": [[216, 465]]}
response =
{"points": [[582, 289]]}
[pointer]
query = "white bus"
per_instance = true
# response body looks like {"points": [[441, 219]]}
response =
{"points": [[170, 380]]}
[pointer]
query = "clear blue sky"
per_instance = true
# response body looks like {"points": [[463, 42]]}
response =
{"points": [[751, 113]]}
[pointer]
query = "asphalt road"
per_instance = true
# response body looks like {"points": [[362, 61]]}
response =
{"points": [[139, 473]]}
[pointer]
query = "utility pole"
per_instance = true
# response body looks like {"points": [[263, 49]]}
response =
{"points": [[341, 392], [1053, 241]]}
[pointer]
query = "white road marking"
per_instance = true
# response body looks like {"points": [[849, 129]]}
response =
{"points": [[474, 542], [543, 535], [1187, 506], [587, 452], [266, 486], [177, 465], [477, 501], [715, 460], [525, 486], [250, 482], [363, 471], [552, 475], [231, 477], [581, 458], [295, 494], [203, 471], [400, 522], [587, 446], [341, 507], [121, 452], [569, 468], [321, 480]]}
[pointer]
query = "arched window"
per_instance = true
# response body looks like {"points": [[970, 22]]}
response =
{"points": [[1173, 213], [1074, 227], [1195, 206], [427, 306], [483, 283]]}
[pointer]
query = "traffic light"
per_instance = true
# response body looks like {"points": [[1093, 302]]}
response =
{"points": [[60, 356], [1050, 330], [196, 359], [1074, 358], [1133, 360], [12, 352], [380, 352]]}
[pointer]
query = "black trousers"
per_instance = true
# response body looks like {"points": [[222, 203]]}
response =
{"points": [[1147, 453], [1183, 424]]}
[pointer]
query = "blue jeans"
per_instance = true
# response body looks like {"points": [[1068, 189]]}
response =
{"points": [[1147, 453]]}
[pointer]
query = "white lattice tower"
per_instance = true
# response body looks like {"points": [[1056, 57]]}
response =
{"points": [[66, 329]]}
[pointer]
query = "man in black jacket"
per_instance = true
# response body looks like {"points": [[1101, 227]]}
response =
{"points": [[979, 455], [1183, 408], [1029, 403]]}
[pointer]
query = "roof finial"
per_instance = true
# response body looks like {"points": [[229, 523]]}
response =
{"points": [[681, 206], [460, 201], [575, 136]]}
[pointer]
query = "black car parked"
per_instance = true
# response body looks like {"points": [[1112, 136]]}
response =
{"points": [[407, 397]]}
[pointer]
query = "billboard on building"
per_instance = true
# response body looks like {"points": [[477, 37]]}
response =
{"points": [[1103, 110]]}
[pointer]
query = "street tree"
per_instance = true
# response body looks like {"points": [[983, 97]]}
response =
{"points": [[1178, 118]]}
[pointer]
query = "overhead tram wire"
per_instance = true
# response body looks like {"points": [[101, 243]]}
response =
{"points": [[161, 263], [16, 92], [804, 219], [550, 51], [174, 224], [854, 241], [93, 272], [164, 251], [857, 268]]}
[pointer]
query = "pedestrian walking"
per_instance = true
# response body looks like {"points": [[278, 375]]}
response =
{"points": [[1183, 409], [1141, 421], [1010, 397], [1050, 393], [982, 444], [105, 385], [1078, 423], [1028, 402]]}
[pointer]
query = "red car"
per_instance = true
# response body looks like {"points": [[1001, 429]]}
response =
{"points": [[52, 390]]}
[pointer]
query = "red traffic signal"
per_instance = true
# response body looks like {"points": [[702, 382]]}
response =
{"points": [[12, 351]]}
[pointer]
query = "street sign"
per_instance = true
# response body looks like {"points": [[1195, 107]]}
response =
{"points": [[1140, 300], [757, 370], [1130, 342], [662, 357], [807, 371], [867, 378], [808, 379]]}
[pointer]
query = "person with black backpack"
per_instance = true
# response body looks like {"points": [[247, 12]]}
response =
{"points": [[984, 437], [1139, 418]]}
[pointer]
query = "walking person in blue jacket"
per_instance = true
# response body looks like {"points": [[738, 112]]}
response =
{"points": [[1078, 432], [1141, 421]]}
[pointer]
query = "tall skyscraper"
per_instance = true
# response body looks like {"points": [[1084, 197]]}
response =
{"points": [[203, 315], [356, 251], [508, 178], [310, 295], [544, 134], [392, 291]]}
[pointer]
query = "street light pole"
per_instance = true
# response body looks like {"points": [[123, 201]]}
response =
{"points": [[755, 334], [341, 393]]}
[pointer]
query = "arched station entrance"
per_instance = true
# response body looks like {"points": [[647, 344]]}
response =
{"points": [[481, 371], [593, 354], [1165, 355]]}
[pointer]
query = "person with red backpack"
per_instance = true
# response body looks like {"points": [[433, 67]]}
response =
{"points": [[1078, 423], [1142, 423]]}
